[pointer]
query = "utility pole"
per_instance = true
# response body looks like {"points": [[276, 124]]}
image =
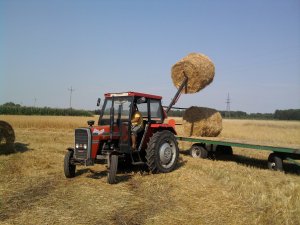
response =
{"points": [[71, 91], [228, 101], [34, 101]]}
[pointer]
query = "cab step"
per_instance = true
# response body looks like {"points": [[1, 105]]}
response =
{"points": [[138, 163]]}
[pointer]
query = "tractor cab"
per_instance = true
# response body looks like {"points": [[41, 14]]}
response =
{"points": [[117, 112]]}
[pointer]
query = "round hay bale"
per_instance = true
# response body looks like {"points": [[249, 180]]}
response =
{"points": [[199, 69], [200, 121]]}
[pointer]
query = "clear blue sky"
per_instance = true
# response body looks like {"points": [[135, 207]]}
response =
{"points": [[113, 46]]}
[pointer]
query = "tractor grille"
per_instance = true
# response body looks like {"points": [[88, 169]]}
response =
{"points": [[82, 143]]}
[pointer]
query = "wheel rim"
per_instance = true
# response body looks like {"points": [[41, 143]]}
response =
{"points": [[273, 165], [167, 154], [196, 152]]}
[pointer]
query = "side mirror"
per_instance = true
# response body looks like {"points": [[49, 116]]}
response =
{"points": [[98, 101], [91, 123]]}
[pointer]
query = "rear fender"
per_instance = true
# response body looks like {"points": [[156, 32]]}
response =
{"points": [[70, 149], [156, 127]]}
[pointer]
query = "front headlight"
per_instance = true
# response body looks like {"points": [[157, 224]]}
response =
{"points": [[84, 146], [77, 146]]}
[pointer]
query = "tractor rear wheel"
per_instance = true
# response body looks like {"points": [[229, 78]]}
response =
{"points": [[112, 170], [162, 152], [69, 168]]}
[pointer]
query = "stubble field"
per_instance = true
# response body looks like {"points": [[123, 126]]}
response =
{"points": [[235, 190]]}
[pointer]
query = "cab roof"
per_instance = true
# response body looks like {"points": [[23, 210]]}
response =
{"points": [[131, 93]]}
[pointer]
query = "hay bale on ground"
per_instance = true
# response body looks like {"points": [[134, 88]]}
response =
{"points": [[199, 69], [200, 121]]}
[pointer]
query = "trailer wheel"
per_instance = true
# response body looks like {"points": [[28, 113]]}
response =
{"points": [[198, 151], [224, 150], [162, 152], [275, 162], [69, 168], [112, 170], [228, 150]]}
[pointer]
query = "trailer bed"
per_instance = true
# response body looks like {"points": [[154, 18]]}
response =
{"points": [[240, 144], [275, 161]]}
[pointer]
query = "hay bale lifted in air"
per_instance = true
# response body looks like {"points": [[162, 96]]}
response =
{"points": [[199, 69], [200, 121]]}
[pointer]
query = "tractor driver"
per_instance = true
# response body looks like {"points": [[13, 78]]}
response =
{"points": [[136, 125]]}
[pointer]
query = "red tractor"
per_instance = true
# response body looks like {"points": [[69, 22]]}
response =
{"points": [[110, 140]]}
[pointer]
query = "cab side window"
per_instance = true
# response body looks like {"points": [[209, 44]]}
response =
{"points": [[156, 110], [142, 107]]}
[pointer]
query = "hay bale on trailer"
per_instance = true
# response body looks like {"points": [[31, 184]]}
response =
{"points": [[200, 121], [199, 69]]}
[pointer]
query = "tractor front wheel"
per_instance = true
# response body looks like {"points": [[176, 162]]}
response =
{"points": [[112, 170], [69, 168], [162, 152]]}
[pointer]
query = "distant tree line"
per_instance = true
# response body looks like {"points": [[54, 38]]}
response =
{"points": [[176, 113], [244, 115], [11, 108], [289, 114]]}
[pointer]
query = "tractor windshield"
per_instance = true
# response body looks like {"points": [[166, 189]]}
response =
{"points": [[121, 110]]}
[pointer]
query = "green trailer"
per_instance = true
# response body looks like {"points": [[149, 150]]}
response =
{"points": [[203, 146]]}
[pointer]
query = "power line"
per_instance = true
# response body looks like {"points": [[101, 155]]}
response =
{"points": [[71, 91]]}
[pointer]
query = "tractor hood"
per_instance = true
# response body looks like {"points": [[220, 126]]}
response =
{"points": [[100, 130], [103, 132]]}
